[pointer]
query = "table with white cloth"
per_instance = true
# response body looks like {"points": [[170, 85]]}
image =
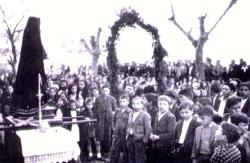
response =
{"points": [[56, 144]]}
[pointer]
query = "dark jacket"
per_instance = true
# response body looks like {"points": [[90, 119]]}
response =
{"points": [[141, 126], [187, 146], [246, 108], [120, 121], [165, 129]]}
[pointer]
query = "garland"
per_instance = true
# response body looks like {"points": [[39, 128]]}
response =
{"points": [[130, 19]]}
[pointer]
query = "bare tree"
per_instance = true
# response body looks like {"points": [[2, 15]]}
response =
{"points": [[94, 49], [200, 42], [12, 34]]}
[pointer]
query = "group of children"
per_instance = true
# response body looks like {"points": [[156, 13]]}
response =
{"points": [[206, 127], [195, 137]]}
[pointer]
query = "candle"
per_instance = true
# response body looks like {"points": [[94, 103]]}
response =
{"points": [[39, 98]]}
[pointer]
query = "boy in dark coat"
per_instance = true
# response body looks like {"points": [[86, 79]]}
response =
{"points": [[184, 133], [120, 122], [163, 131], [104, 106]]}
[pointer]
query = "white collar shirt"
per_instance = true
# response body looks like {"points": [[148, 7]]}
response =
{"points": [[184, 130]]}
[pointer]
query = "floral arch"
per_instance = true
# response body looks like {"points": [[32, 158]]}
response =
{"points": [[130, 19]]}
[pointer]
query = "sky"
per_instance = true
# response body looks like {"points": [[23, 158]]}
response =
{"points": [[65, 22]]}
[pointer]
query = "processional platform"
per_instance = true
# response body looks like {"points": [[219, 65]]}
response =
{"points": [[56, 144]]}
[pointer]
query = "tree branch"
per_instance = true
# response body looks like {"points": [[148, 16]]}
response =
{"points": [[187, 34], [224, 13], [98, 37], [202, 24], [15, 28], [10, 60], [86, 45]]}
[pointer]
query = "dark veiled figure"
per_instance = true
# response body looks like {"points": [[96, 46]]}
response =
{"points": [[30, 65]]}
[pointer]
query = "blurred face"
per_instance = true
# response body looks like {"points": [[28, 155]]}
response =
{"points": [[204, 120], [60, 102], [244, 91], [235, 108], [70, 81], [95, 92], [52, 92], [163, 106], [137, 104], [89, 105], [63, 84], [124, 102], [196, 85], [130, 90], [73, 105], [186, 113], [243, 127], [74, 89], [226, 91], [183, 98], [50, 83], [106, 91], [81, 85], [9, 90]]}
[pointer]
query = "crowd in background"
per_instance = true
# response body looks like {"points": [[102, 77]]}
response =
{"points": [[193, 121]]}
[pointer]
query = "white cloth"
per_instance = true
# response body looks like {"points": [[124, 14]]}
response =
{"points": [[54, 145], [184, 130], [75, 128]]}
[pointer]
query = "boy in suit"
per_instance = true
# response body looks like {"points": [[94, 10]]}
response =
{"points": [[203, 144], [138, 131], [105, 105], [120, 122], [163, 131], [184, 133]]}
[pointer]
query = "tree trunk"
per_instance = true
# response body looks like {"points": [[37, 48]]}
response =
{"points": [[14, 62], [94, 64], [199, 60], [13, 67]]}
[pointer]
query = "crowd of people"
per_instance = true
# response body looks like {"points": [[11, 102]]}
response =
{"points": [[192, 121]]}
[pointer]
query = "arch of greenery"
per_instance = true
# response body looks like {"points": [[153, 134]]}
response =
{"points": [[130, 19]]}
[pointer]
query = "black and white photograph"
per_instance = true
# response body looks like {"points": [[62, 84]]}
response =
{"points": [[124, 81]]}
